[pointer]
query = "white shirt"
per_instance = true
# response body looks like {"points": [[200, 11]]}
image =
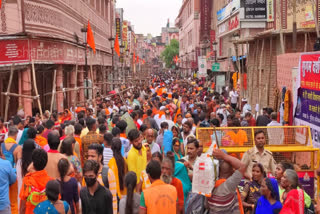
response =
{"points": [[155, 148], [275, 135], [246, 108], [233, 96], [159, 120], [170, 123], [107, 155]]}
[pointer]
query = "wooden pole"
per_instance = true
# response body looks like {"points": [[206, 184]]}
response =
{"points": [[7, 96], [270, 70], [19, 95], [36, 89], [294, 26], [281, 33], [255, 69], [53, 90], [315, 18], [260, 73], [305, 42], [76, 85]]}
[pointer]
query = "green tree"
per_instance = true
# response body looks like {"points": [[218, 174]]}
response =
{"points": [[170, 52]]}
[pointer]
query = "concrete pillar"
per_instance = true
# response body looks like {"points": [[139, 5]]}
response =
{"points": [[81, 84], [59, 83], [26, 88]]}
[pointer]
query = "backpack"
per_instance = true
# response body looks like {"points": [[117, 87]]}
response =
{"points": [[195, 204], [36, 196], [104, 175], [9, 154]]}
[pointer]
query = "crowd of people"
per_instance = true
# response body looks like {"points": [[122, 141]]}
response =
{"points": [[136, 152]]}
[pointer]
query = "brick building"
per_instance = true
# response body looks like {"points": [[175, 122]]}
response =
{"points": [[49, 34]]}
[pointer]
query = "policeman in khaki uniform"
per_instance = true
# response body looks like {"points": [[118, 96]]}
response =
{"points": [[260, 155]]}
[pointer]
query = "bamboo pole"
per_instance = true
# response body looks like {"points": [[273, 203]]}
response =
{"points": [[315, 18], [281, 33], [92, 82], [270, 70], [260, 74], [19, 95], [53, 89], [294, 25], [76, 85], [305, 42], [255, 68], [8, 90], [36, 89]]}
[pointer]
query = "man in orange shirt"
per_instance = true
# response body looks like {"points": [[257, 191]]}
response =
{"points": [[167, 172], [159, 197], [34, 183]]}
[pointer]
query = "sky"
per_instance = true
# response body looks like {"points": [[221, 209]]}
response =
{"points": [[149, 16]]}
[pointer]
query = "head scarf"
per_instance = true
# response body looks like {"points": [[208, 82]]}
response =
{"points": [[272, 185], [263, 205]]}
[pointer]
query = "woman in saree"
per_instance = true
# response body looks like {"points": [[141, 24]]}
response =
{"points": [[269, 202], [293, 197]]}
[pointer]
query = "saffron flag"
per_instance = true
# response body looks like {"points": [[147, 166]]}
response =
{"points": [[134, 58], [90, 38], [116, 45], [138, 59]]}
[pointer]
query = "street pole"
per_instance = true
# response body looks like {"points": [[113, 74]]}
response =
{"points": [[84, 30]]}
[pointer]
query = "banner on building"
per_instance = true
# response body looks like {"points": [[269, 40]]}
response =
{"points": [[306, 180], [309, 18], [228, 10], [205, 19], [125, 34], [307, 112], [270, 11], [202, 65], [255, 9], [118, 28]]}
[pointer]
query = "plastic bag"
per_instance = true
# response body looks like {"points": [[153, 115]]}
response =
{"points": [[205, 172]]}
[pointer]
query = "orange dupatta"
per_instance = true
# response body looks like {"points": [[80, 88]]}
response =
{"points": [[221, 181]]}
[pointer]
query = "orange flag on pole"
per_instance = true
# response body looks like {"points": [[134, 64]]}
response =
{"points": [[90, 38], [116, 45], [134, 57], [138, 59]]}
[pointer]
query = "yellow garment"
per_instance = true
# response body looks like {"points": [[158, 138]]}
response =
{"points": [[13, 189], [235, 79], [10, 140], [145, 180], [286, 106], [85, 131], [113, 165], [136, 162]]}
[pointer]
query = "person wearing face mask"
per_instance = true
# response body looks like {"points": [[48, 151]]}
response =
{"points": [[137, 156], [94, 197]]}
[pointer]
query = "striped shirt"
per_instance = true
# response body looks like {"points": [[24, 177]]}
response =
{"points": [[112, 188], [107, 155], [224, 197]]}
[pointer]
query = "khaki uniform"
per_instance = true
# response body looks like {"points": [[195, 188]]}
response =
{"points": [[253, 156]]}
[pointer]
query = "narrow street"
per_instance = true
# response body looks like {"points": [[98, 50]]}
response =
{"points": [[152, 107]]}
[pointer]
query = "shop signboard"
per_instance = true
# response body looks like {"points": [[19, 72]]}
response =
{"points": [[202, 61], [216, 66], [14, 51], [228, 10], [270, 11], [205, 19], [118, 28], [125, 34], [255, 9]]}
